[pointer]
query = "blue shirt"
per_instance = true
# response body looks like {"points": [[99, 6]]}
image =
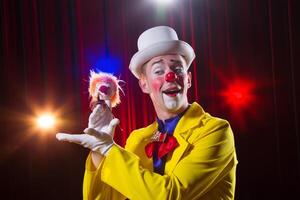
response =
{"points": [[164, 127]]}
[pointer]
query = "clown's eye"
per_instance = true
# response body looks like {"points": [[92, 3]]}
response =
{"points": [[178, 69], [158, 72]]}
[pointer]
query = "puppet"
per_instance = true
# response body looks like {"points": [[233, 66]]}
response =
{"points": [[104, 87], [104, 92]]}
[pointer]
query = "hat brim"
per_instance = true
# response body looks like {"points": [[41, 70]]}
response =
{"points": [[163, 48]]}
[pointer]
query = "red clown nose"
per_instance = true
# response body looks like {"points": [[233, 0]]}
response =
{"points": [[170, 77]]}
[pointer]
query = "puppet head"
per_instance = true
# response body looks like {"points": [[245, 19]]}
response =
{"points": [[104, 86]]}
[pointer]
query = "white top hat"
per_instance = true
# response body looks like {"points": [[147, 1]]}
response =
{"points": [[156, 41]]}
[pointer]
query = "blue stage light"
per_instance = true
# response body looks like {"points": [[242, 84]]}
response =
{"points": [[109, 64]]}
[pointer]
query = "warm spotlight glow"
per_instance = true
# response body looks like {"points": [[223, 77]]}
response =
{"points": [[163, 2], [239, 94], [46, 121]]}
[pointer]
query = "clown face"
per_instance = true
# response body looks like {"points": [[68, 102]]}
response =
{"points": [[106, 88], [166, 80]]}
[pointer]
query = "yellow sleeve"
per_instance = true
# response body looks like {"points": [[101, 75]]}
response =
{"points": [[210, 159], [94, 188]]}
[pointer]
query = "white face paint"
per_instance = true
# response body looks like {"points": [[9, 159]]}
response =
{"points": [[172, 102]]}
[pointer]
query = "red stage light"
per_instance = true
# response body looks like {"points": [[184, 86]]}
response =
{"points": [[239, 94]]}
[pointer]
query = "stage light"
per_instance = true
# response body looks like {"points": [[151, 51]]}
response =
{"points": [[46, 121], [239, 94], [163, 2], [109, 64]]}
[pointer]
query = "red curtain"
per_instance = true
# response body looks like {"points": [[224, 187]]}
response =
{"points": [[48, 47]]}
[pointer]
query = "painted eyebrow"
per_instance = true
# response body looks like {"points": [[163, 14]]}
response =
{"points": [[156, 62], [176, 61]]}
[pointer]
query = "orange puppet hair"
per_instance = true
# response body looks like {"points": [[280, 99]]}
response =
{"points": [[98, 77]]}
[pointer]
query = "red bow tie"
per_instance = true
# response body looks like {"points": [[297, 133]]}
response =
{"points": [[169, 144]]}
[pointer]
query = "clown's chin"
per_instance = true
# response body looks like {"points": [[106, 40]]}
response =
{"points": [[171, 103]]}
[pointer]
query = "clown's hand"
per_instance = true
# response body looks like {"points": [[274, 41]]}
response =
{"points": [[100, 142], [100, 117]]}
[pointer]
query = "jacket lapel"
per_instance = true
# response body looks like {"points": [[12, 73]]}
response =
{"points": [[177, 153], [190, 119], [139, 141]]}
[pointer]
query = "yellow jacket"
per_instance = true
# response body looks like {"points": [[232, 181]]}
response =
{"points": [[202, 167]]}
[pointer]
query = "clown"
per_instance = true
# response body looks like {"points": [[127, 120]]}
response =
{"points": [[184, 154]]}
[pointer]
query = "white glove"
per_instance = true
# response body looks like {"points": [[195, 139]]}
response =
{"points": [[100, 117], [98, 141]]}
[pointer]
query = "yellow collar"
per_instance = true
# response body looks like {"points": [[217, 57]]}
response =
{"points": [[189, 120]]}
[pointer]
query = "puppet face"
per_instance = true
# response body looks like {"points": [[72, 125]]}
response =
{"points": [[166, 80], [105, 89]]}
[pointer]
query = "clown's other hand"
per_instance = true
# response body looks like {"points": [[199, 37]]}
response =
{"points": [[100, 117], [100, 142]]}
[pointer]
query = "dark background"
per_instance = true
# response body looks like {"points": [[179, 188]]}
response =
{"points": [[48, 47]]}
